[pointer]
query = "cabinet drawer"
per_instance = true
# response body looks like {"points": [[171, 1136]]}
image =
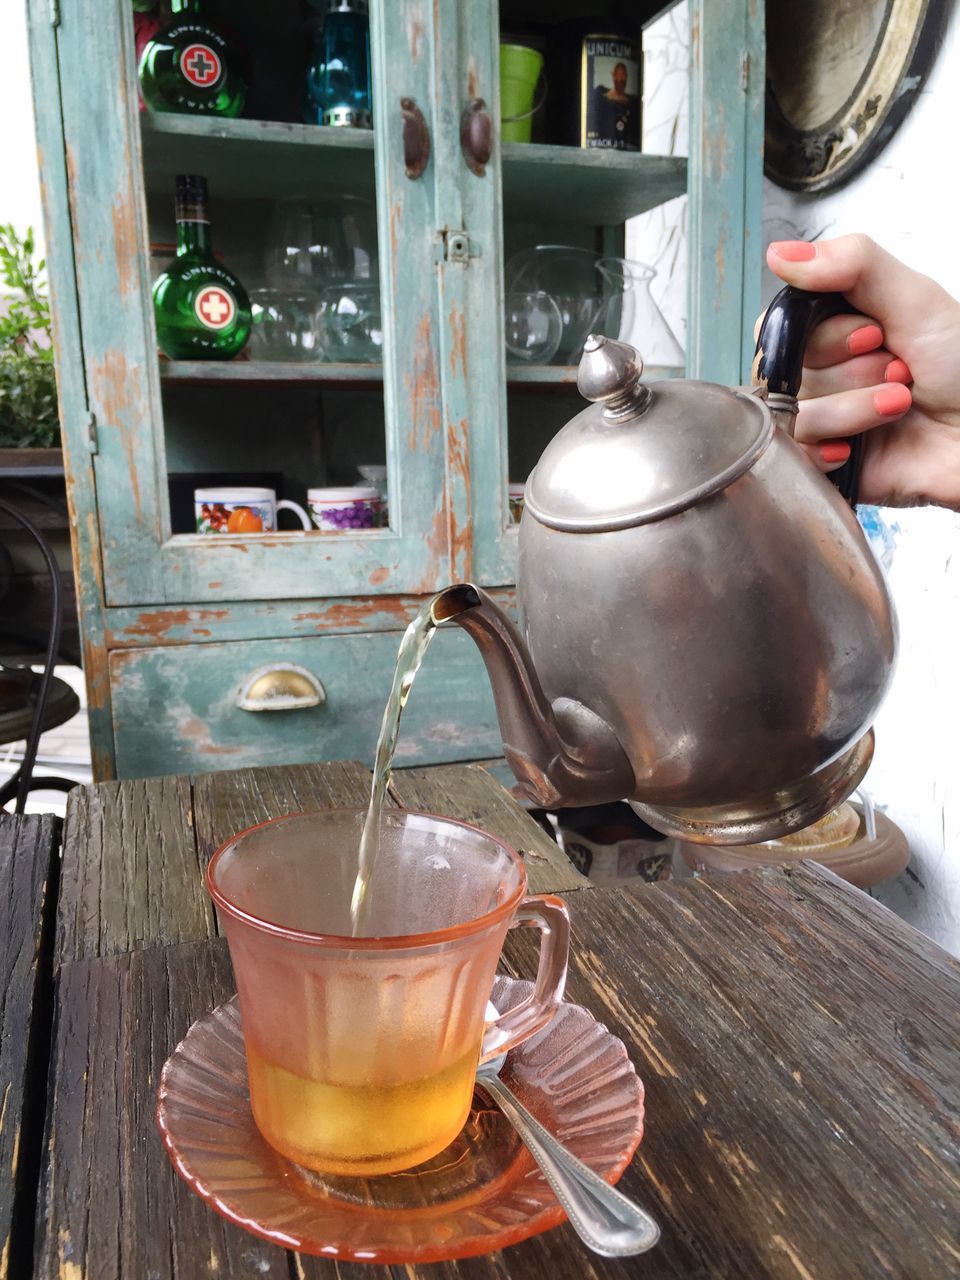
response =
{"points": [[175, 708]]}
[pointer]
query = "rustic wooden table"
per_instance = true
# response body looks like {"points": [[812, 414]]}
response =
{"points": [[797, 1042]]}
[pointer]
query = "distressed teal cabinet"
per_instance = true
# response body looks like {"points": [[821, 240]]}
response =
{"points": [[175, 623]]}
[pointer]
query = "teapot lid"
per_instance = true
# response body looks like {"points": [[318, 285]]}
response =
{"points": [[642, 452]]}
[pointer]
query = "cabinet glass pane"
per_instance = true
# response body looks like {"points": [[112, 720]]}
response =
{"points": [[576, 172], [292, 215]]}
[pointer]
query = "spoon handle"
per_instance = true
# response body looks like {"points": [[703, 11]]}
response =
{"points": [[604, 1218]]}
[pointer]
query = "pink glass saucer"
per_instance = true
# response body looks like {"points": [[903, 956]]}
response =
{"points": [[482, 1193]]}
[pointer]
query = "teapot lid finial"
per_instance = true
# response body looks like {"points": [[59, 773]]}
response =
{"points": [[609, 374]]}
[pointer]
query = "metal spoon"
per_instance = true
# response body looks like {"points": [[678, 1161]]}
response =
{"points": [[603, 1217]]}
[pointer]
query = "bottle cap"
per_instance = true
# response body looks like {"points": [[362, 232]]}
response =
{"points": [[191, 187]]}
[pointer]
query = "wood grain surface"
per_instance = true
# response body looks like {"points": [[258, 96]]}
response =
{"points": [[798, 1045], [134, 851], [28, 847]]}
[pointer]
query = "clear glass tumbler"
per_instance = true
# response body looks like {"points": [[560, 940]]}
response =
{"points": [[630, 313], [362, 1052], [286, 326], [352, 324]]}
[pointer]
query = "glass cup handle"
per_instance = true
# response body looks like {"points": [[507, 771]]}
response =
{"points": [[548, 913], [286, 505]]}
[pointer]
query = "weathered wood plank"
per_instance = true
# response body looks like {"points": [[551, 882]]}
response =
{"points": [[108, 1208], [469, 793], [28, 850], [134, 851], [225, 803], [130, 871], [798, 1048]]}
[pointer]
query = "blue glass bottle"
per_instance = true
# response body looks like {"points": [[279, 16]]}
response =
{"points": [[338, 77]]}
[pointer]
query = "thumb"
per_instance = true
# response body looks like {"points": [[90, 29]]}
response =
{"points": [[874, 281]]}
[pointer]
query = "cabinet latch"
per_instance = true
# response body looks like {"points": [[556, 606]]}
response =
{"points": [[455, 246]]}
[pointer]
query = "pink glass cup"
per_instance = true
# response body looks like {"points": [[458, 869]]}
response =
{"points": [[361, 1052]]}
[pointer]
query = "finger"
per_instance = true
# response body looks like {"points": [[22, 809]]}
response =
{"points": [[841, 337], [848, 413], [849, 375], [829, 456], [836, 339], [903, 300]]}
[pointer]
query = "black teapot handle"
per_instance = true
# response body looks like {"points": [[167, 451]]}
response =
{"points": [[778, 363]]}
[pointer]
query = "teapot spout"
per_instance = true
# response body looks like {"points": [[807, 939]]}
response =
{"points": [[561, 754]]}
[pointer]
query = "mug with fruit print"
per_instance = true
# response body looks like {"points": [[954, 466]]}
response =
{"points": [[241, 510], [346, 509]]}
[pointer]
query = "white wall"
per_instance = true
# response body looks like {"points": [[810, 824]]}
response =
{"points": [[19, 179]]}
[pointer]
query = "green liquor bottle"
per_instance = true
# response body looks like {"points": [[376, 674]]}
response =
{"points": [[191, 67], [202, 310]]}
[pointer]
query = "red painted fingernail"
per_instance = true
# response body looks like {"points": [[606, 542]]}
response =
{"points": [[835, 451], [892, 400], [866, 339], [897, 371], [794, 250]]}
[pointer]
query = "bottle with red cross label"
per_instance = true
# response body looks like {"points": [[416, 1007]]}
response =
{"points": [[191, 67], [202, 310]]}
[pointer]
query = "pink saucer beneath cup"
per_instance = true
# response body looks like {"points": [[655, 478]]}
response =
{"points": [[482, 1193]]}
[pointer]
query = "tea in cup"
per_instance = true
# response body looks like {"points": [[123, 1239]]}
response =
{"points": [[362, 1051], [242, 509]]}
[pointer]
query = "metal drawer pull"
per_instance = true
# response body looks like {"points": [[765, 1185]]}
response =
{"points": [[280, 686], [416, 138], [476, 136]]}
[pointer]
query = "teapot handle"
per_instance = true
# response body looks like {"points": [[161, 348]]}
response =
{"points": [[778, 363]]}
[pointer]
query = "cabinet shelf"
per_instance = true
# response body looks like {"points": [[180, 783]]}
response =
{"points": [[590, 186], [214, 373], [562, 375], [250, 157], [260, 372], [256, 157]]}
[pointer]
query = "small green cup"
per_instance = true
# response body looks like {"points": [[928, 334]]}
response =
{"points": [[520, 68]]}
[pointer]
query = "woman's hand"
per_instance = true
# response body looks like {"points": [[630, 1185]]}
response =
{"points": [[892, 373]]}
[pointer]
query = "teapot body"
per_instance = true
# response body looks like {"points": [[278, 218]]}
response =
{"points": [[735, 647]]}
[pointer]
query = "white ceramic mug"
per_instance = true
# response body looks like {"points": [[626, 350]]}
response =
{"points": [[346, 509], [243, 509], [515, 501]]}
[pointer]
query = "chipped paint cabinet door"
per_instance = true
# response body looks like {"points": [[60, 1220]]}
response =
{"points": [[339, 222], [505, 397]]}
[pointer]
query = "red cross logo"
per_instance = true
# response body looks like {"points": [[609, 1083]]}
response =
{"points": [[200, 65], [215, 307]]}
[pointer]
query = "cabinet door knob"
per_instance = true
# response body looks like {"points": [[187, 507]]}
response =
{"points": [[280, 686], [416, 138], [476, 136]]}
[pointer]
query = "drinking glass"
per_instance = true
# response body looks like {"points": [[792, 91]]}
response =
{"points": [[570, 276], [285, 326], [630, 313], [533, 326], [362, 1051], [314, 243], [350, 315]]}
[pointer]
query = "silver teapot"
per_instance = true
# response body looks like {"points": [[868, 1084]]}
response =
{"points": [[704, 630]]}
